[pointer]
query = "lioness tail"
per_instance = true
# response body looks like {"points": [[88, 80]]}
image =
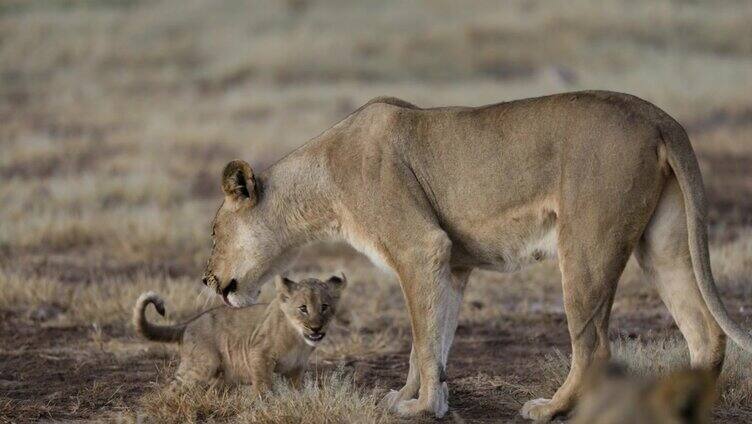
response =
{"points": [[684, 164], [159, 333]]}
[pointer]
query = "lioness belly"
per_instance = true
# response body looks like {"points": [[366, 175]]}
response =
{"points": [[508, 243]]}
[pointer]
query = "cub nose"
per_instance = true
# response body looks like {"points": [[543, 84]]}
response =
{"points": [[316, 329], [205, 281]]}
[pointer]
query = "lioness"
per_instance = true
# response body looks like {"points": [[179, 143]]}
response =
{"points": [[247, 346], [589, 177], [614, 397]]}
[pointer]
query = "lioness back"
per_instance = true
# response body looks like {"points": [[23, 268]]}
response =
{"points": [[550, 135]]}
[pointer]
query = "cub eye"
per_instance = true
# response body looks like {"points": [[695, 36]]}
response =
{"points": [[324, 307], [303, 309]]}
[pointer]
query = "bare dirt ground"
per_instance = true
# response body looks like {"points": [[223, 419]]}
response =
{"points": [[116, 117]]}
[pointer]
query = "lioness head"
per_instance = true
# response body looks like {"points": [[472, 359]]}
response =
{"points": [[310, 304], [246, 252]]}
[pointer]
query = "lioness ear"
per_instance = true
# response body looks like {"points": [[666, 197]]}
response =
{"points": [[338, 283], [238, 182], [688, 394], [285, 287]]}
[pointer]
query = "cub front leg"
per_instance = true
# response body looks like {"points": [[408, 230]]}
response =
{"points": [[262, 376], [296, 378]]}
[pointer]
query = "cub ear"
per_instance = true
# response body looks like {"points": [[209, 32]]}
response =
{"points": [[688, 394], [285, 287], [339, 283], [238, 182]]}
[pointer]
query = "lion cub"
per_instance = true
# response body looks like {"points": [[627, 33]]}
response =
{"points": [[248, 345], [613, 397]]}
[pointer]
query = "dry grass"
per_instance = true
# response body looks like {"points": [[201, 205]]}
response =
{"points": [[109, 302], [327, 398]]}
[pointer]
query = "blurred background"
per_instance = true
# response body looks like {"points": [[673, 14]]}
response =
{"points": [[117, 116]]}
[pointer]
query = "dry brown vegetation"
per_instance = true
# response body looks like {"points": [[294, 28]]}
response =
{"points": [[116, 117]]}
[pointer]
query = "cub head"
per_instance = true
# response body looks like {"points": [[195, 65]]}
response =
{"points": [[613, 397], [310, 304], [246, 251]]}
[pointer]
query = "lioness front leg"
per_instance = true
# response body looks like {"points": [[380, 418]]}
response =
{"points": [[410, 389], [433, 301]]}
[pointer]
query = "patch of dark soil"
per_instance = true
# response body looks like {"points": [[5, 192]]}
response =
{"points": [[504, 349], [46, 373], [510, 350]]}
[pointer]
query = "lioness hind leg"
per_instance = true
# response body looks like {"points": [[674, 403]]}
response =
{"points": [[589, 281], [663, 253]]}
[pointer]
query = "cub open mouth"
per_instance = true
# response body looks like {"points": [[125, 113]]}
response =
{"points": [[317, 337]]}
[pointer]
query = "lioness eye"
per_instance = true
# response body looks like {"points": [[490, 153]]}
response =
{"points": [[324, 307], [303, 309]]}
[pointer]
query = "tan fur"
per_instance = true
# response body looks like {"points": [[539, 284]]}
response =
{"points": [[613, 397], [248, 345], [586, 177]]}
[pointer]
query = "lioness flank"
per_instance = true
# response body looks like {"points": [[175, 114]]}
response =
{"points": [[247, 346], [587, 177]]}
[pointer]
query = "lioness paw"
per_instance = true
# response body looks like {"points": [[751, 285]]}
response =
{"points": [[539, 410], [390, 400], [413, 407]]}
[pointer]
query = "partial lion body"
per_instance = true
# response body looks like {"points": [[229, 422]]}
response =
{"points": [[612, 396], [246, 346], [587, 178]]}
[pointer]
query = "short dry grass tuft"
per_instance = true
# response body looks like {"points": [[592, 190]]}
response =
{"points": [[326, 398]]}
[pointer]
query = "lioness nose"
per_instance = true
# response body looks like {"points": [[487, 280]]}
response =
{"points": [[229, 288], [205, 281]]}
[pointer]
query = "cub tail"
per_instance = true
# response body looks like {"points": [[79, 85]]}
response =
{"points": [[158, 333]]}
